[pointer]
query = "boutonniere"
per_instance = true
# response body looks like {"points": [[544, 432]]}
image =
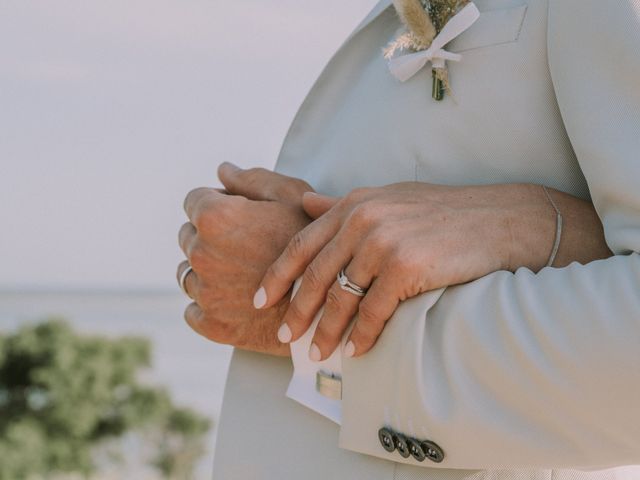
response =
{"points": [[430, 25]]}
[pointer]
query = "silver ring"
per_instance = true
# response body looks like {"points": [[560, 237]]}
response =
{"points": [[183, 278], [348, 286]]}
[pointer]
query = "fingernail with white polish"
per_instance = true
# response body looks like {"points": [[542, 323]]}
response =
{"points": [[284, 333], [260, 298], [349, 349], [314, 353]]}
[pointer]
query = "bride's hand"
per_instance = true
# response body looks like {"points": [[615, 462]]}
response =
{"points": [[404, 239]]}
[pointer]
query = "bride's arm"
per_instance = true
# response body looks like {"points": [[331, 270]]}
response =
{"points": [[531, 370], [405, 239]]}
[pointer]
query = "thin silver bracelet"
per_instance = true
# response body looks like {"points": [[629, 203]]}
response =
{"points": [[556, 243]]}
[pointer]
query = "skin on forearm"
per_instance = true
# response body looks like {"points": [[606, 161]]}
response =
{"points": [[531, 226], [532, 233], [441, 236], [404, 239]]}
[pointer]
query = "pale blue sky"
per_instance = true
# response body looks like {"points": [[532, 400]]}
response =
{"points": [[111, 110]]}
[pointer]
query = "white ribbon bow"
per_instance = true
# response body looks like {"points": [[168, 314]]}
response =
{"points": [[406, 66]]}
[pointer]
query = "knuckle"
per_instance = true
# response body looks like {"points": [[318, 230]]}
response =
{"points": [[189, 199], [219, 213], [297, 247], [196, 191], [313, 278], [357, 194], [198, 258], [219, 204], [333, 302], [184, 229], [379, 242], [195, 198], [364, 215], [207, 299], [402, 259], [301, 185], [406, 271], [253, 176], [205, 218], [230, 208]]}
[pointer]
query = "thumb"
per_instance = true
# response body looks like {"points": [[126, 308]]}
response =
{"points": [[317, 205], [231, 176], [262, 184]]}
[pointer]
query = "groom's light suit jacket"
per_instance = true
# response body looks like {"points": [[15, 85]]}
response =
{"points": [[527, 376]]}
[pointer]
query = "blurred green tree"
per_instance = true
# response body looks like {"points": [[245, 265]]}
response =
{"points": [[62, 395]]}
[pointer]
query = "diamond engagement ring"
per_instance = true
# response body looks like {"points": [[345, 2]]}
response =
{"points": [[183, 278], [348, 286]]}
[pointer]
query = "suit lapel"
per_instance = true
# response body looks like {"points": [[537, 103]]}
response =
{"points": [[380, 7]]}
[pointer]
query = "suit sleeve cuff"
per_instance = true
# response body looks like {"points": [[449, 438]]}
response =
{"points": [[303, 386]]}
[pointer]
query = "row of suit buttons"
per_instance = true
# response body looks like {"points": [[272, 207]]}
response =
{"points": [[407, 446]]}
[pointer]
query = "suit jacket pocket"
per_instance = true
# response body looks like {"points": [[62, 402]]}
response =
{"points": [[494, 27]]}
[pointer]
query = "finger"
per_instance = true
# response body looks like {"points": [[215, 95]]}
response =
{"points": [[194, 317], [262, 184], [190, 281], [316, 281], [316, 205], [199, 197], [339, 309], [293, 261], [375, 309], [186, 236]]}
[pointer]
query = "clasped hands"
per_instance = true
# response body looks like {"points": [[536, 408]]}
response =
{"points": [[247, 244]]}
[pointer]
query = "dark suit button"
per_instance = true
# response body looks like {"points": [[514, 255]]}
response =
{"points": [[386, 439], [402, 445], [415, 449], [432, 451]]}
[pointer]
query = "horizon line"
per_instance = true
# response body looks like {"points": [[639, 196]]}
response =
{"points": [[91, 290]]}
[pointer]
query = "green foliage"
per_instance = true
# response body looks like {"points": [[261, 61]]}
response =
{"points": [[180, 445], [63, 394]]}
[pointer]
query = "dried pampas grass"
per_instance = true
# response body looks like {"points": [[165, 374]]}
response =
{"points": [[414, 16], [423, 20]]}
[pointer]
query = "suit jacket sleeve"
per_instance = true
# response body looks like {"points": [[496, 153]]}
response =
{"points": [[535, 370]]}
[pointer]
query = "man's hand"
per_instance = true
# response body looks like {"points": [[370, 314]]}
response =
{"points": [[231, 239]]}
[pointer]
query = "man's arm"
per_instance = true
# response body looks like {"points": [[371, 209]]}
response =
{"points": [[532, 370]]}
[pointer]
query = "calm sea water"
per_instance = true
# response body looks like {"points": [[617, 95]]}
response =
{"points": [[193, 368]]}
